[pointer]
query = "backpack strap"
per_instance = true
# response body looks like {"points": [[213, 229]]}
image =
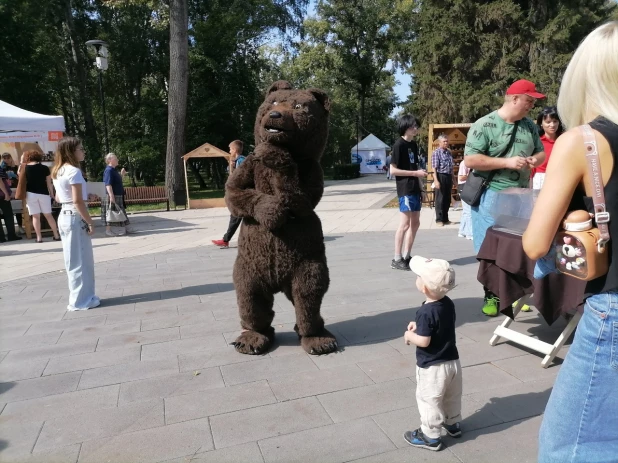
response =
{"points": [[601, 216]]}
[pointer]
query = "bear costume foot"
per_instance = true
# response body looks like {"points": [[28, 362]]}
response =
{"points": [[254, 343], [325, 343]]}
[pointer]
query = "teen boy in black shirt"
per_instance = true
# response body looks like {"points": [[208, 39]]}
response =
{"points": [[408, 174]]}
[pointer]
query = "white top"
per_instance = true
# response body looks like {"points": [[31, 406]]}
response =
{"points": [[67, 176], [463, 170]]}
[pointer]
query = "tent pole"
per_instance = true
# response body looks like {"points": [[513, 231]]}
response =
{"points": [[187, 185]]}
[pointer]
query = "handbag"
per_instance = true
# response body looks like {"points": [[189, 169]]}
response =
{"points": [[476, 185], [580, 248], [115, 214]]}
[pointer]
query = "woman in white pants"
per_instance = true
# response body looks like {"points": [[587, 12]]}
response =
{"points": [[75, 224], [39, 193]]}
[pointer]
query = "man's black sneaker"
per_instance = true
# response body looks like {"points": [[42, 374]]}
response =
{"points": [[407, 260], [418, 439], [400, 265]]}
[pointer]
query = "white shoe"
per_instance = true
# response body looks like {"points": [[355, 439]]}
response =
{"points": [[470, 238], [109, 233], [460, 236]]}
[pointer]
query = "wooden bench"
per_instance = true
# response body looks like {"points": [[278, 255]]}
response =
{"points": [[138, 195], [146, 195]]}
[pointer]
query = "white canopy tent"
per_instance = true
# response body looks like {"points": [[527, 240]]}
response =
{"points": [[370, 153], [19, 127]]}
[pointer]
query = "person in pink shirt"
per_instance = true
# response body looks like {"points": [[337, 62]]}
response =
{"points": [[550, 128]]}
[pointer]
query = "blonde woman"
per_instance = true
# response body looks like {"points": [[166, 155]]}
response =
{"points": [[581, 419], [75, 224], [115, 195]]}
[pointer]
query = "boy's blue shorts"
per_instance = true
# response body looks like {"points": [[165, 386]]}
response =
{"points": [[410, 203]]}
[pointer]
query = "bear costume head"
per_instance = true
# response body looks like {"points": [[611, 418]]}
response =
{"points": [[296, 120]]}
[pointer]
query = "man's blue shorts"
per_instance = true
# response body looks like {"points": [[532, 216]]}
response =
{"points": [[411, 203]]}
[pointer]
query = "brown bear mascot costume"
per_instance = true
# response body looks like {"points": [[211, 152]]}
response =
{"points": [[281, 245]]}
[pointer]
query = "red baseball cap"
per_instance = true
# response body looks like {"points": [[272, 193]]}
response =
{"points": [[524, 87]]}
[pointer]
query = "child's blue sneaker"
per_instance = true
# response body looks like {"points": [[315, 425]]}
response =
{"points": [[418, 439], [453, 430]]}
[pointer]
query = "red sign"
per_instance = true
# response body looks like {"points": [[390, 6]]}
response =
{"points": [[54, 136]]}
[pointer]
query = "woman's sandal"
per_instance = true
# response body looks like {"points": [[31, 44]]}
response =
{"points": [[57, 239], [39, 241]]}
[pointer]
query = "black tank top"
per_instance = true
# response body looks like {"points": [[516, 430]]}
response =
{"points": [[608, 282]]}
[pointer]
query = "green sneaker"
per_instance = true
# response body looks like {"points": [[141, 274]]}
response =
{"points": [[524, 308], [490, 308]]}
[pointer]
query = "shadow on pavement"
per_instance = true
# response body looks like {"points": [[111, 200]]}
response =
{"points": [[168, 294]]}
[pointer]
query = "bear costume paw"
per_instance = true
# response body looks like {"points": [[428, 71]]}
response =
{"points": [[254, 343], [270, 212], [325, 343]]}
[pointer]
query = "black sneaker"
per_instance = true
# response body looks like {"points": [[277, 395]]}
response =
{"points": [[418, 439], [15, 238], [400, 265], [453, 430], [407, 261]]}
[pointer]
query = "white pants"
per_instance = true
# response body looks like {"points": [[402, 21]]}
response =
{"points": [[438, 396], [38, 204], [537, 180]]}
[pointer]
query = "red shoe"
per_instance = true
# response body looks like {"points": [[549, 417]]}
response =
{"points": [[221, 243]]}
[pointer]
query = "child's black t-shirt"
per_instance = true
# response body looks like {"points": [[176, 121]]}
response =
{"points": [[436, 319], [405, 157]]}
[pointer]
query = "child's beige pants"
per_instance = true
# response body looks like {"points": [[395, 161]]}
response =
{"points": [[438, 395]]}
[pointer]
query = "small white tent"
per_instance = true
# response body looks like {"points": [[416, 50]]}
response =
{"points": [[370, 153], [18, 126]]}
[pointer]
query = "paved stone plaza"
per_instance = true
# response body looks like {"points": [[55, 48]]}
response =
{"points": [[150, 375]]}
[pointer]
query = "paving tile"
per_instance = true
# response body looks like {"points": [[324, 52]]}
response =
{"points": [[482, 377], [151, 445], [354, 354], [245, 453], [526, 368], [17, 438], [128, 372], [47, 327], [411, 455], [335, 443], [515, 403], [266, 368], [66, 454], [106, 422], [168, 386], [482, 352], [214, 358], [34, 340], [39, 387], [81, 334], [56, 350], [141, 338], [14, 330], [267, 421], [201, 329], [504, 440], [177, 320], [310, 383], [21, 369], [131, 316], [369, 400], [59, 405], [182, 346], [387, 369], [217, 401], [93, 360], [396, 422]]}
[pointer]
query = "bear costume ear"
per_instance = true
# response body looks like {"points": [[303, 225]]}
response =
{"points": [[279, 85], [321, 96]]}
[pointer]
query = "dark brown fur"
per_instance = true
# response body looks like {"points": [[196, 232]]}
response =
{"points": [[281, 245]]}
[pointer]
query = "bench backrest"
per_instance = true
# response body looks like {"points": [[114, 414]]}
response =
{"points": [[145, 192]]}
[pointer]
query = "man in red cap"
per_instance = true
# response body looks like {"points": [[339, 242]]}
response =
{"points": [[502, 147]]}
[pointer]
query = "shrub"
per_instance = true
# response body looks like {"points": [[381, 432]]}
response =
{"points": [[346, 171]]}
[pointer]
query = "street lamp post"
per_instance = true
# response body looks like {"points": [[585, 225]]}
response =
{"points": [[101, 63]]}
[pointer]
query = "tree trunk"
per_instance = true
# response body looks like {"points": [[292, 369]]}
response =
{"points": [[89, 133], [177, 95], [196, 172]]}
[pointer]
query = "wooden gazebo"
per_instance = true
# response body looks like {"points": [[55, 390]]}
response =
{"points": [[205, 151]]}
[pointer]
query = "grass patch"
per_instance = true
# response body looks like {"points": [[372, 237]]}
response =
{"points": [[392, 203]]}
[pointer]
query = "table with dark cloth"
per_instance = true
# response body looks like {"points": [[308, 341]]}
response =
{"points": [[506, 271]]}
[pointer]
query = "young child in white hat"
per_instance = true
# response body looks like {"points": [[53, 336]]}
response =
{"points": [[438, 371]]}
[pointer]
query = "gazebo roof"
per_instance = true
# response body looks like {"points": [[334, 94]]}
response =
{"points": [[207, 151]]}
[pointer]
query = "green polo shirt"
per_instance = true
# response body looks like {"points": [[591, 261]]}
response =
{"points": [[491, 134]]}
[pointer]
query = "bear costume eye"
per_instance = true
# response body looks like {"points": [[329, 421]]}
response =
{"points": [[298, 106]]}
